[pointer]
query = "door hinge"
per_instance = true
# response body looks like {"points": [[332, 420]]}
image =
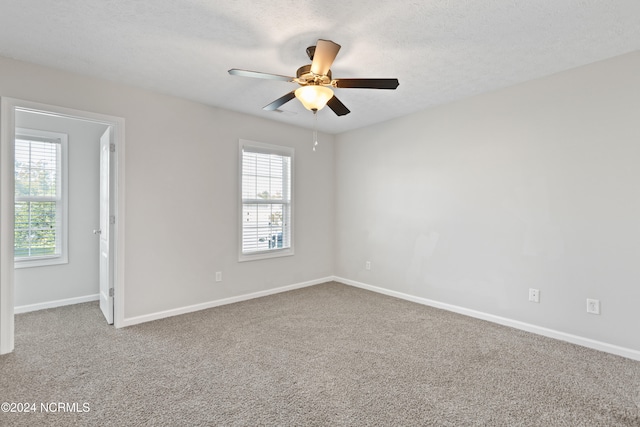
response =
{"points": [[111, 292], [112, 148], [112, 219]]}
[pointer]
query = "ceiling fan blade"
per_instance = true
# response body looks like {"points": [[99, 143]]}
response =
{"points": [[338, 107], [323, 57], [280, 101], [259, 75], [367, 83]]}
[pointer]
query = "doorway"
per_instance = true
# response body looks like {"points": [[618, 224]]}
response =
{"points": [[110, 229]]}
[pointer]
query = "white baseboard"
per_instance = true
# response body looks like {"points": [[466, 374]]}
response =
{"points": [[53, 304], [216, 303], [574, 339]]}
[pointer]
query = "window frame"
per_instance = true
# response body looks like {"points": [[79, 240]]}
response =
{"points": [[260, 147], [62, 202]]}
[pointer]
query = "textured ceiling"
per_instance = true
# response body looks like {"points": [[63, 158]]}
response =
{"points": [[440, 50]]}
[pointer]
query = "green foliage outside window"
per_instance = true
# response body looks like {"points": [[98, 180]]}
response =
{"points": [[35, 229]]}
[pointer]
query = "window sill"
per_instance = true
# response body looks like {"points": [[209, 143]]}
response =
{"points": [[40, 262], [254, 256]]}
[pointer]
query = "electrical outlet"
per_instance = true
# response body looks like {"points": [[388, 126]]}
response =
{"points": [[218, 276], [534, 295], [367, 265], [593, 306]]}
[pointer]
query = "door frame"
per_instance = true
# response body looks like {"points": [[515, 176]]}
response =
{"points": [[7, 190]]}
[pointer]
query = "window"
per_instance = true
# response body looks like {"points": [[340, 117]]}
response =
{"points": [[266, 225], [40, 198]]}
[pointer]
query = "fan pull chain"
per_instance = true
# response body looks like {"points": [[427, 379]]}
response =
{"points": [[315, 130]]}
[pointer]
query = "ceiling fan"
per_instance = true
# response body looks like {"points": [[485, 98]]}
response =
{"points": [[315, 81]]}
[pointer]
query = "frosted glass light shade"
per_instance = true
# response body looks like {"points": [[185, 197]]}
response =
{"points": [[314, 97]]}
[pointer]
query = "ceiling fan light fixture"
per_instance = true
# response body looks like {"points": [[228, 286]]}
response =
{"points": [[316, 80], [314, 97]]}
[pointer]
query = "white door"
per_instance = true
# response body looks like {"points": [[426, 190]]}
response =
{"points": [[106, 220]]}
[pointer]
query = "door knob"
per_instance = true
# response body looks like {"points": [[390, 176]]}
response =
{"points": [[97, 231]]}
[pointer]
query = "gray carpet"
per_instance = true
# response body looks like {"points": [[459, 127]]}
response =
{"points": [[328, 355]]}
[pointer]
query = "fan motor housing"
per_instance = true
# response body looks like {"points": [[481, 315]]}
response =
{"points": [[306, 77]]}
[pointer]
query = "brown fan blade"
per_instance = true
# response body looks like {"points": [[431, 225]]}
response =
{"points": [[367, 83], [259, 75], [338, 107], [280, 101], [323, 57]]}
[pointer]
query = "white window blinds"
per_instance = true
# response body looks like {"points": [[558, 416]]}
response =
{"points": [[40, 202], [266, 198]]}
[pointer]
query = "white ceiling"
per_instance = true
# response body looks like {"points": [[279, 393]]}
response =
{"points": [[440, 50]]}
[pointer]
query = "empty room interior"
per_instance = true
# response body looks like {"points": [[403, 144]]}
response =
{"points": [[320, 213]]}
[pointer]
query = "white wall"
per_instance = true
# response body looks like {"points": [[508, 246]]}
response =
{"points": [[78, 278], [533, 186], [181, 191]]}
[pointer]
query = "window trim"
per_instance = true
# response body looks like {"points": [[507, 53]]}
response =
{"points": [[261, 147], [63, 257]]}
